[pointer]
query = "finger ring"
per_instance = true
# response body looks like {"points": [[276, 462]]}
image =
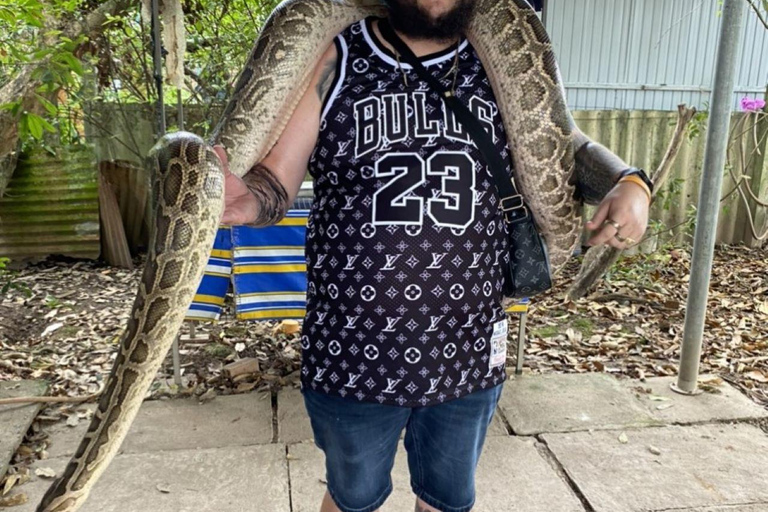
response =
{"points": [[613, 223], [620, 238]]}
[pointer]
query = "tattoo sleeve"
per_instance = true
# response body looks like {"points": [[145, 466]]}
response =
{"points": [[270, 193], [597, 169], [326, 79]]}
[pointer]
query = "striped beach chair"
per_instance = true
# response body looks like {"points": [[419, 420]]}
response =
{"points": [[264, 267], [209, 299], [270, 272]]}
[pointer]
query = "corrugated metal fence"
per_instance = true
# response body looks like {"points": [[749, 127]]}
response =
{"points": [[51, 206], [641, 138], [648, 54]]}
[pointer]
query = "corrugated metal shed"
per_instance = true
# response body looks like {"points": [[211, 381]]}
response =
{"points": [[51, 206], [648, 54]]}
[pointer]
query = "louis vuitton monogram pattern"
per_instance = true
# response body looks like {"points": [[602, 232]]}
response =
{"points": [[404, 238]]}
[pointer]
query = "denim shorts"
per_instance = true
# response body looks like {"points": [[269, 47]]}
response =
{"points": [[360, 439]]}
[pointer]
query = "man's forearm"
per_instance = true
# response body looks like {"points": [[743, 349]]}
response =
{"points": [[270, 194], [597, 169]]}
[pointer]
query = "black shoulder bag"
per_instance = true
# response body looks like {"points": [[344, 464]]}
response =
{"points": [[526, 267]]}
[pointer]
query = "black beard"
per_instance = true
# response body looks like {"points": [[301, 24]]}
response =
{"points": [[406, 17]]}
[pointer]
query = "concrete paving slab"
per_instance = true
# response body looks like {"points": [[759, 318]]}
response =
{"points": [[63, 440], [534, 404], [292, 421], [232, 479], [760, 507], [16, 419], [497, 427], [511, 476], [729, 404], [236, 420], [698, 466]]}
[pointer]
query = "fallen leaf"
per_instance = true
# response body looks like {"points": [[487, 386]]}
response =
{"points": [[45, 472], [757, 375], [48, 330], [657, 398], [623, 439], [14, 501], [654, 450], [9, 483], [664, 406], [73, 420], [164, 488]]}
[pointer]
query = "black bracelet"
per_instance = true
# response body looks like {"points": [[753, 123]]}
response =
{"points": [[634, 171]]}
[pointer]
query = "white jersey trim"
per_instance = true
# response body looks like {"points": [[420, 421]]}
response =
{"points": [[342, 67], [392, 62]]}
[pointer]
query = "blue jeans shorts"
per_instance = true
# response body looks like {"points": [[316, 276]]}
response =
{"points": [[360, 439]]}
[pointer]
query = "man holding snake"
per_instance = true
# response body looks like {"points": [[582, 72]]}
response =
{"points": [[404, 325]]}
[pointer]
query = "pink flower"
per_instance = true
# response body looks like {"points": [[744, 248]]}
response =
{"points": [[750, 105]]}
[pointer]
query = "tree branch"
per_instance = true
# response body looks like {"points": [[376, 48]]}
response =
{"points": [[759, 14], [22, 86]]}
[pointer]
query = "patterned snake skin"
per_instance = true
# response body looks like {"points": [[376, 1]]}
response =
{"points": [[188, 184]]}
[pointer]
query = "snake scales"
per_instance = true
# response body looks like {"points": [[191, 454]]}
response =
{"points": [[188, 184]]}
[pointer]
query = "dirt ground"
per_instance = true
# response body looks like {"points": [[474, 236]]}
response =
{"points": [[66, 328]]}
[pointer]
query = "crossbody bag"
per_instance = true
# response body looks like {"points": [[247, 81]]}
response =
{"points": [[526, 268]]}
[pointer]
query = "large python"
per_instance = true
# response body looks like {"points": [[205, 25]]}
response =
{"points": [[188, 184]]}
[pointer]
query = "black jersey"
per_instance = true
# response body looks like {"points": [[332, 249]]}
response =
{"points": [[405, 237]]}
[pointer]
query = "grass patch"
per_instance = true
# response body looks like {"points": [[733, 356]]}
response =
{"points": [[546, 332], [236, 331], [66, 331], [217, 350], [584, 325]]}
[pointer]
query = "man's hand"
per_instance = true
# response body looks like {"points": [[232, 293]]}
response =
{"points": [[626, 206], [240, 205]]}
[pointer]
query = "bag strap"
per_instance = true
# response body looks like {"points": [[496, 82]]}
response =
{"points": [[511, 200]]}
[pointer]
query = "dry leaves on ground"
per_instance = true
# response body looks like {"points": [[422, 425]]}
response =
{"points": [[632, 326]]}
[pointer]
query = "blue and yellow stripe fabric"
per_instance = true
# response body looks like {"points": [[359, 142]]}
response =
{"points": [[270, 272], [209, 299], [266, 266]]}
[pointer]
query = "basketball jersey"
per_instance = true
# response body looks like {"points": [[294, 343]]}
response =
{"points": [[404, 238]]}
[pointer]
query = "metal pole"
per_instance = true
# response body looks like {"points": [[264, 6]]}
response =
{"points": [[520, 344], [709, 195], [157, 58], [176, 362]]}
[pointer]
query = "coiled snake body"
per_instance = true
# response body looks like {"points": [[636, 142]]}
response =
{"points": [[188, 184]]}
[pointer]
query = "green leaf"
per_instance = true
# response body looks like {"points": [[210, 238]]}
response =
{"points": [[47, 126], [12, 107], [7, 16], [50, 107], [34, 125], [73, 62]]}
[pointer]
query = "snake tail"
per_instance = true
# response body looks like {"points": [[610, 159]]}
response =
{"points": [[187, 197]]}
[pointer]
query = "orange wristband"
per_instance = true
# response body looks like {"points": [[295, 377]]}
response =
{"points": [[637, 181]]}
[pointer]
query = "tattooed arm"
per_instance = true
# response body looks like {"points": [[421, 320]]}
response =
{"points": [[597, 168], [623, 204], [264, 194]]}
